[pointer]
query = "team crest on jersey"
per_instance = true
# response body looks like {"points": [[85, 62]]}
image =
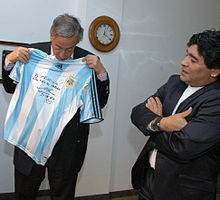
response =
{"points": [[71, 81]]}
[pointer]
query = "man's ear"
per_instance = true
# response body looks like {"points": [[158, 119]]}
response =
{"points": [[215, 72]]}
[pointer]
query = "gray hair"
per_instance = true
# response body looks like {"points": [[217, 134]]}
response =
{"points": [[66, 26]]}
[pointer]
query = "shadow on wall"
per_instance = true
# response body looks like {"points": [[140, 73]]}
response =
{"points": [[5, 100], [95, 129], [8, 149], [136, 139]]}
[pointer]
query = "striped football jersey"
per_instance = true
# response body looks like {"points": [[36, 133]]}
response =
{"points": [[48, 94]]}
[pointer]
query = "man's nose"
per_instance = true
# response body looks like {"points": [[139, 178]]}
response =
{"points": [[62, 55], [185, 61]]}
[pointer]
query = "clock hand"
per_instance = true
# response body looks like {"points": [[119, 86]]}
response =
{"points": [[104, 33], [107, 37]]}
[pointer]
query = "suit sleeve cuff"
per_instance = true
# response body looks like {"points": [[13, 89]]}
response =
{"points": [[149, 127], [8, 65]]}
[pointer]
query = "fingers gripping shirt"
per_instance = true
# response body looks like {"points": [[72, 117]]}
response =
{"points": [[48, 94]]}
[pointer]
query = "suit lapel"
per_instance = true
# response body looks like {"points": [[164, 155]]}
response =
{"points": [[173, 98], [185, 104]]}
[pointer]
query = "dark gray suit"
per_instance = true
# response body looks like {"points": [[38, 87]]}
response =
{"points": [[188, 161]]}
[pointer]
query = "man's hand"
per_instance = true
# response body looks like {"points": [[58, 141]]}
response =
{"points": [[20, 54], [93, 62], [155, 105], [175, 122]]}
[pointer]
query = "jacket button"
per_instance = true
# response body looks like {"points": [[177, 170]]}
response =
{"points": [[78, 141]]}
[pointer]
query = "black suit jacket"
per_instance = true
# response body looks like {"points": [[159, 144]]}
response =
{"points": [[72, 143], [188, 161]]}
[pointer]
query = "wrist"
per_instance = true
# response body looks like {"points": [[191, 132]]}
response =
{"points": [[156, 124], [10, 59], [102, 71]]}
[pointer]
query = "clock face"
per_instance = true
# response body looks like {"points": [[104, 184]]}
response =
{"points": [[105, 34]]}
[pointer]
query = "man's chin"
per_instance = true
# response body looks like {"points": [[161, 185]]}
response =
{"points": [[182, 78], [61, 59]]}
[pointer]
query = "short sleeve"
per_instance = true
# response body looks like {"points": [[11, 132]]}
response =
{"points": [[90, 110], [16, 72]]}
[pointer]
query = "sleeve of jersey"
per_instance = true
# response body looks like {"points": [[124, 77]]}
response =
{"points": [[15, 74], [90, 111]]}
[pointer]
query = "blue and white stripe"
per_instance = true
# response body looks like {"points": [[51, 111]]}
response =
{"points": [[42, 103]]}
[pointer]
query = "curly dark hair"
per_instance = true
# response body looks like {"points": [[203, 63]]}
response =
{"points": [[208, 43]]}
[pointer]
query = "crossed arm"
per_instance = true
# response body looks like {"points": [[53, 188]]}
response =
{"points": [[171, 123], [184, 136]]}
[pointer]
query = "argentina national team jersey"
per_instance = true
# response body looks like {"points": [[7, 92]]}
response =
{"points": [[48, 94]]}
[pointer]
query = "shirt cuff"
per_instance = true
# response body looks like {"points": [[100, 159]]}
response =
{"points": [[103, 76], [8, 65], [149, 127]]}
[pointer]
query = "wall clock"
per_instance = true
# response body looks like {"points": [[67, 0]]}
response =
{"points": [[104, 33]]}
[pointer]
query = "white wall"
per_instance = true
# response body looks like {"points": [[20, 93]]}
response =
{"points": [[96, 173], [153, 42], [29, 21]]}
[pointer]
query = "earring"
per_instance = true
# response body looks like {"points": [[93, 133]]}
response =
{"points": [[213, 75]]}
